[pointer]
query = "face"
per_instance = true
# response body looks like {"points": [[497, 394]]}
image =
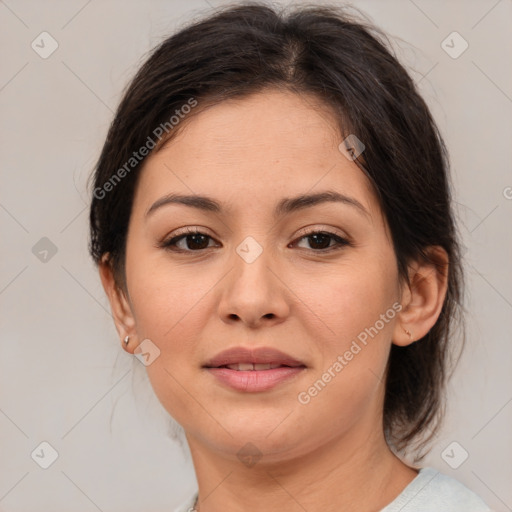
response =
{"points": [[316, 280]]}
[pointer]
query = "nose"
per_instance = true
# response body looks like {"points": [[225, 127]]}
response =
{"points": [[254, 293]]}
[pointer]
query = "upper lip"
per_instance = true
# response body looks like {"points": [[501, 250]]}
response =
{"points": [[259, 355]]}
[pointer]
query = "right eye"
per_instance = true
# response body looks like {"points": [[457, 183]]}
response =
{"points": [[191, 240]]}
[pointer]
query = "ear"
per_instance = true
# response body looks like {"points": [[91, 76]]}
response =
{"points": [[422, 298], [121, 308]]}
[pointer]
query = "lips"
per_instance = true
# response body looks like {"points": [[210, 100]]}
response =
{"points": [[253, 370], [256, 359], [244, 367]]}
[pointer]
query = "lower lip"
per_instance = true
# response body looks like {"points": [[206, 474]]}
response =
{"points": [[252, 381]]}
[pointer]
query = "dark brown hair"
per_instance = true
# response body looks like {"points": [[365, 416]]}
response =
{"points": [[347, 63]]}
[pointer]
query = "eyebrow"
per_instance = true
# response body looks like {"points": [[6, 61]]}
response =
{"points": [[284, 207]]}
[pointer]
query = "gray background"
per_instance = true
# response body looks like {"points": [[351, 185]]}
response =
{"points": [[64, 378]]}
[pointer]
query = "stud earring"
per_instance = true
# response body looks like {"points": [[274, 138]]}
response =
{"points": [[127, 340]]}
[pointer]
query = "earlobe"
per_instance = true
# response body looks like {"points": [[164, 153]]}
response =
{"points": [[422, 298], [120, 306]]}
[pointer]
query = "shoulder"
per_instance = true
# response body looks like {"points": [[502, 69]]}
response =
{"points": [[188, 505], [432, 491]]}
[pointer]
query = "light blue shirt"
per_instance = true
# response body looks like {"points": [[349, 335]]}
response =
{"points": [[430, 491]]}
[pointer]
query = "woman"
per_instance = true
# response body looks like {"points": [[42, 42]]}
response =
{"points": [[272, 222]]}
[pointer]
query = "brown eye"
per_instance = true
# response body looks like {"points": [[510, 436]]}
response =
{"points": [[191, 241], [321, 241]]}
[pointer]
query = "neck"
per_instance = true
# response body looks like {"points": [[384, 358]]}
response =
{"points": [[353, 473]]}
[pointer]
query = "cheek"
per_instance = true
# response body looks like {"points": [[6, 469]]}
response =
{"points": [[355, 305], [356, 309], [166, 300], [349, 299], [167, 308]]}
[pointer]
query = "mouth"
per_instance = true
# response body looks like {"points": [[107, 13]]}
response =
{"points": [[245, 367], [246, 359], [253, 370]]}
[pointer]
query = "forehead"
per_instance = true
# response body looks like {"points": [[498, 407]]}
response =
{"points": [[281, 122], [254, 149]]}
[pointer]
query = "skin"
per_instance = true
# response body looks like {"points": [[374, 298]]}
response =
{"points": [[329, 454]]}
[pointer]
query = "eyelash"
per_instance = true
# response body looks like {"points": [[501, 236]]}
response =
{"points": [[340, 241]]}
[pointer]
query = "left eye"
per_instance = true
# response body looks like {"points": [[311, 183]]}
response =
{"points": [[196, 241], [321, 240]]}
